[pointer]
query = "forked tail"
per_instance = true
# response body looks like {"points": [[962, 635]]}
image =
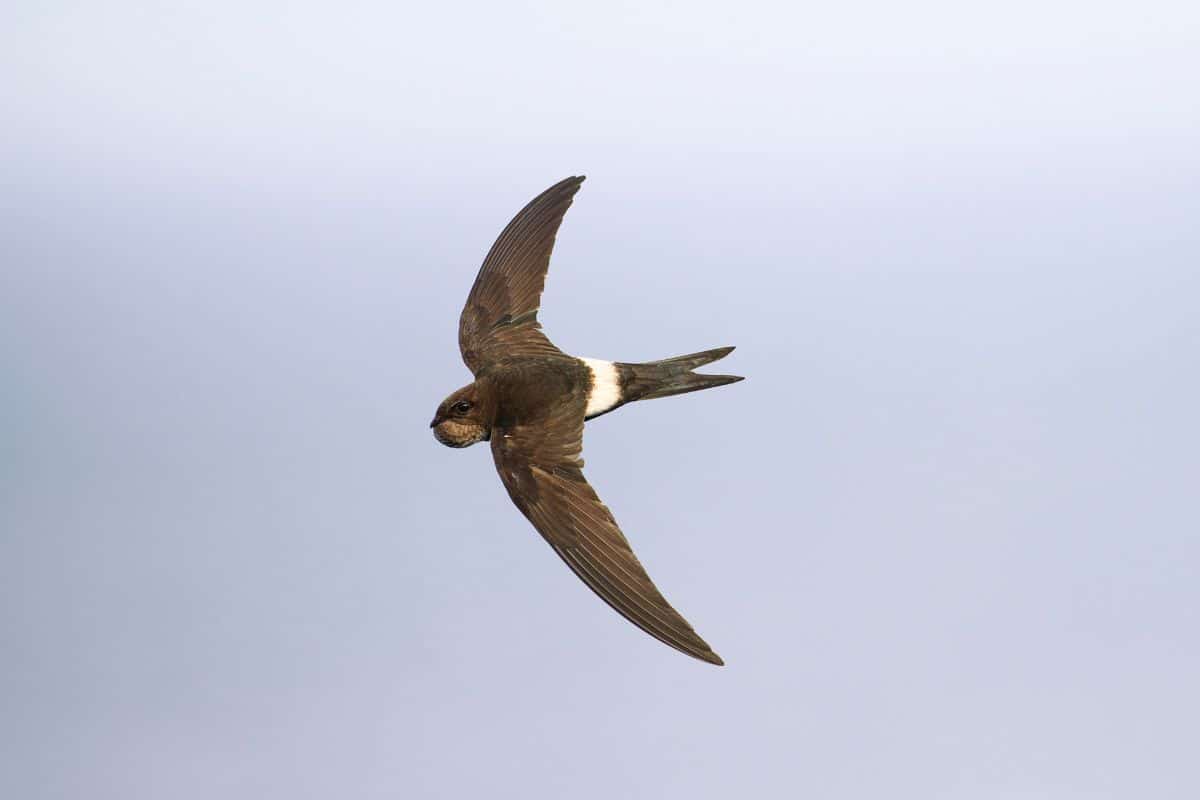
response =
{"points": [[671, 376]]}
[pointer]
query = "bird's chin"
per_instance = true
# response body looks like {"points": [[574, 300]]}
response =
{"points": [[455, 434]]}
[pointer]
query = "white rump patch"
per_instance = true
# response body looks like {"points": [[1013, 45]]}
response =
{"points": [[606, 386]]}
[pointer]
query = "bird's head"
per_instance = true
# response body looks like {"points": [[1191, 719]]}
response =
{"points": [[460, 420]]}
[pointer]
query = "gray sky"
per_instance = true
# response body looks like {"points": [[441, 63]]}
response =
{"points": [[945, 534]]}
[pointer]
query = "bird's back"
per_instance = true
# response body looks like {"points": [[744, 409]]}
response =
{"points": [[528, 389]]}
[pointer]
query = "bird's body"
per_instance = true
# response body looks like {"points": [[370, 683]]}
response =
{"points": [[530, 400]]}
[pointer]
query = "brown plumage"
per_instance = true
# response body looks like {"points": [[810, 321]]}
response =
{"points": [[531, 400]]}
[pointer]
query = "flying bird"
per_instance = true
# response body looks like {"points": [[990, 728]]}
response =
{"points": [[530, 400]]}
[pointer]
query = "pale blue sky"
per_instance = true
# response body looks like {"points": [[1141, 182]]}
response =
{"points": [[945, 535]]}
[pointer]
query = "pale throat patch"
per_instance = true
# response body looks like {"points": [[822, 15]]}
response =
{"points": [[606, 386]]}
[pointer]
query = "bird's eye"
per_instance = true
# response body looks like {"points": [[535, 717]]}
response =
{"points": [[461, 407]]}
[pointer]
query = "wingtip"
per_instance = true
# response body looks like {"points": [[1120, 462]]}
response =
{"points": [[569, 185], [702, 652]]}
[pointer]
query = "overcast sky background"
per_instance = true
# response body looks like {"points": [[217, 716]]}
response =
{"points": [[945, 535]]}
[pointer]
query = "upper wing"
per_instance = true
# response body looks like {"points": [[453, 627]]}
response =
{"points": [[500, 316], [541, 467]]}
